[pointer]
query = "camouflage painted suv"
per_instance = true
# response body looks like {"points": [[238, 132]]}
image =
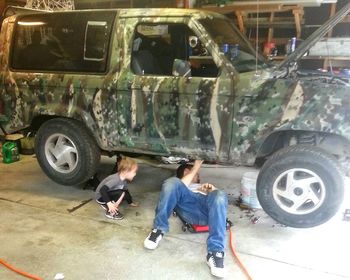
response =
{"points": [[175, 82]]}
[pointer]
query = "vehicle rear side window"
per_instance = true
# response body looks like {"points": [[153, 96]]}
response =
{"points": [[68, 42]]}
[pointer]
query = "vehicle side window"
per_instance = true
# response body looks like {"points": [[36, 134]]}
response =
{"points": [[68, 42], [156, 47], [95, 44], [232, 44]]}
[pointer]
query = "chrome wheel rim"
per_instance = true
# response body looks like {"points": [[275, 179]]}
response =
{"points": [[61, 153], [299, 191]]}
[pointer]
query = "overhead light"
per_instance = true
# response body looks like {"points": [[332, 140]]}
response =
{"points": [[31, 23]]}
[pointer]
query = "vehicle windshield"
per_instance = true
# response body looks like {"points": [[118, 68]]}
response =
{"points": [[232, 44]]}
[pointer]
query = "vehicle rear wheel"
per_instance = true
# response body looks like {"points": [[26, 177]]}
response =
{"points": [[66, 152], [301, 186]]}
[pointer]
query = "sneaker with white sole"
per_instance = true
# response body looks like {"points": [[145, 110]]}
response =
{"points": [[153, 239], [104, 207], [215, 261], [116, 216], [102, 204]]}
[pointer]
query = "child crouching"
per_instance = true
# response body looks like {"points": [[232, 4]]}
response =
{"points": [[113, 189]]}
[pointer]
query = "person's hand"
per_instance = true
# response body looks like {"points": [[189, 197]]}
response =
{"points": [[188, 178], [197, 164], [207, 187], [112, 208]]}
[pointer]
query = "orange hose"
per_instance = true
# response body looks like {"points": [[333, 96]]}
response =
{"points": [[25, 274], [240, 264]]}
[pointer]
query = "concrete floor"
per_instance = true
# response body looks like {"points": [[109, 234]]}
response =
{"points": [[47, 228]]}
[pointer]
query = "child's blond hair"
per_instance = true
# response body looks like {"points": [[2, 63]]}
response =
{"points": [[126, 164]]}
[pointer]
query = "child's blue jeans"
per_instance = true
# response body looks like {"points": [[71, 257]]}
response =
{"points": [[195, 208]]}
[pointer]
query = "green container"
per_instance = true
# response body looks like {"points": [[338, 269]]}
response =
{"points": [[10, 152]]}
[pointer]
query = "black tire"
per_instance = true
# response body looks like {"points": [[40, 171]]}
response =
{"points": [[66, 151], [316, 186]]}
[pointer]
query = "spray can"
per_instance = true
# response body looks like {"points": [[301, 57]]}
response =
{"points": [[224, 48], [291, 45], [294, 40], [233, 52]]}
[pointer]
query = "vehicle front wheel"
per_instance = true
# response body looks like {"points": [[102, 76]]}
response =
{"points": [[66, 152], [301, 186]]}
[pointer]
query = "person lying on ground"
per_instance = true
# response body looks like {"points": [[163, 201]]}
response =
{"points": [[207, 207]]}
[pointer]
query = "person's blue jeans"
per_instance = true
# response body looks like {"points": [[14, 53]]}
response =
{"points": [[195, 208]]}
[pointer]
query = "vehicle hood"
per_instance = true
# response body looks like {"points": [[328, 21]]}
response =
{"points": [[315, 37]]}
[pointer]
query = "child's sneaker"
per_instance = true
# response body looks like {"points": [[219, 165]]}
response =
{"points": [[116, 216], [215, 261], [102, 204], [153, 239], [104, 207]]}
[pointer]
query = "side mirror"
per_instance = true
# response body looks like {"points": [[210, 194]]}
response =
{"points": [[181, 68]]}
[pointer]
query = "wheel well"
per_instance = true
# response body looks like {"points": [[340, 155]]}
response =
{"points": [[39, 120], [334, 144]]}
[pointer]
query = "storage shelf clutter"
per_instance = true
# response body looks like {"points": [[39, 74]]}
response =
{"points": [[280, 21]]}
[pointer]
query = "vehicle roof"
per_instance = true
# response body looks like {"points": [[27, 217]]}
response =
{"points": [[136, 12], [171, 12]]}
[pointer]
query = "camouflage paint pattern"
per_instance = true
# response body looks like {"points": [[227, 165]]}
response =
{"points": [[224, 119], [307, 104]]}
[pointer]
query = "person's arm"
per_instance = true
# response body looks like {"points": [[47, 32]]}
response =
{"points": [[187, 179]]}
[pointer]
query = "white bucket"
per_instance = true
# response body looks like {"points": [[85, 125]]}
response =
{"points": [[248, 189]]}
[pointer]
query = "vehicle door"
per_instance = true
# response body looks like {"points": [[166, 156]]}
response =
{"points": [[178, 91]]}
